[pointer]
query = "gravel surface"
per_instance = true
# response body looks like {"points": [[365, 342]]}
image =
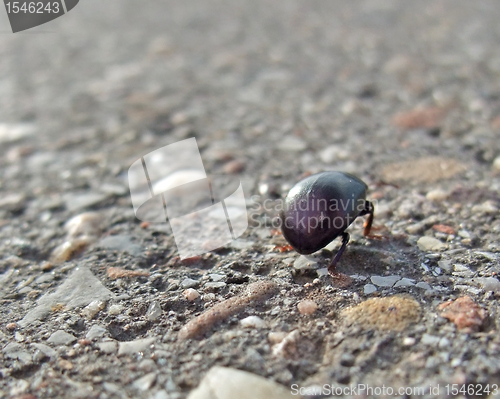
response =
{"points": [[405, 95]]}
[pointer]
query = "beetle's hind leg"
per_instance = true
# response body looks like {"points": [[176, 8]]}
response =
{"points": [[338, 255], [369, 210]]}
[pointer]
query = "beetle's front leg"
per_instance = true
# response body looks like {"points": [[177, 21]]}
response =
{"points": [[369, 210], [335, 260]]}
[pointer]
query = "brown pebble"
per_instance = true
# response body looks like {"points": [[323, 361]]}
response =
{"points": [[389, 313], [201, 324], [427, 118], [442, 228], [117, 272], [84, 341], [422, 170], [65, 364], [69, 250], [234, 167], [11, 326], [465, 313], [495, 123], [276, 337], [288, 346], [145, 225], [191, 294], [307, 307]]}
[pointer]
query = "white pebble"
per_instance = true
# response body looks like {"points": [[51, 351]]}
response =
{"points": [[191, 294], [307, 307], [93, 308], [115, 309], [437, 195], [253, 322], [426, 243]]}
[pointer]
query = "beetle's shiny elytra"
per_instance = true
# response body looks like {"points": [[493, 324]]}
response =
{"points": [[320, 207]]}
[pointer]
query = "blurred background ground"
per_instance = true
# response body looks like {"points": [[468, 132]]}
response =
{"points": [[405, 95]]}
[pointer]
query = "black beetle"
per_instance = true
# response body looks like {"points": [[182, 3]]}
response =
{"points": [[320, 207]]}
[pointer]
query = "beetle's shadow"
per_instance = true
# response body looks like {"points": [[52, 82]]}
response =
{"points": [[390, 256]]}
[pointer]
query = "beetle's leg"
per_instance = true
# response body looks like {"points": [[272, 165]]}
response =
{"points": [[335, 260], [369, 210]]}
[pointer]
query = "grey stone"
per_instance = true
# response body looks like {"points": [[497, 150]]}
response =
{"points": [[426, 243], [388, 281], [139, 345], [241, 244], [96, 331], [79, 289], [154, 311], [305, 263], [424, 285], [61, 337], [446, 265], [226, 383], [488, 283], [217, 277], [108, 346], [121, 243], [81, 200], [405, 282], [431, 340], [145, 382], [369, 289], [215, 285], [189, 283], [45, 349], [16, 351]]}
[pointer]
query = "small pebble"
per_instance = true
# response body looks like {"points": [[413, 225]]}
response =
{"points": [[431, 340], [223, 382], [276, 337], [84, 224], [305, 263], [427, 243], [287, 347], [369, 289], [61, 337], [191, 294], [108, 346], [189, 283], [115, 309], [131, 347], [405, 282], [388, 281], [215, 285], [95, 331], [465, 313], [93, 308], [307, 307], [437, 195], [496, 164], [424, 285], [11, 326], [409, 341], [145, 382], [65, 364], [154, 311], [69, 249], [488, 283], [233, 167], [253, 322]]}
